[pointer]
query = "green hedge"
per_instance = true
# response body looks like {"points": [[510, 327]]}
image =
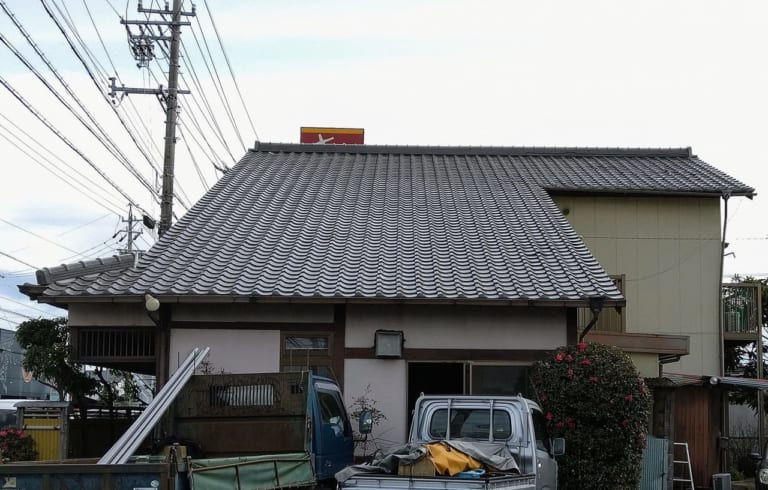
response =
{"points": [[593, 397]]}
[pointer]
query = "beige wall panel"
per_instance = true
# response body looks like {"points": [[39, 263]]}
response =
{"points": [[647, 217], [234, 351], [605, 217], [646, 364], [690, 218], [647, 283], [386, 379], [668, 249], [109, 315], [459, 327], [669, 304], [626, 218], [669, 218], [262, 312]]}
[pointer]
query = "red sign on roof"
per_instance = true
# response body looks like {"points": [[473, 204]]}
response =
{"points": [[333, 136]]}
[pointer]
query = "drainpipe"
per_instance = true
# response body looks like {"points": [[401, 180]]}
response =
{"points": [[725, 427], [595, 306]]}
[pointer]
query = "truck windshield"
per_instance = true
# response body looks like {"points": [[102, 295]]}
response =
{"points": [[470, 423]]}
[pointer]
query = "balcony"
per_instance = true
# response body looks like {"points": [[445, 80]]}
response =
{"points": [[741, 312]]}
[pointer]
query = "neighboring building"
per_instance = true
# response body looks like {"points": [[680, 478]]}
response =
{"points": [[482, 259], [15, 382]]}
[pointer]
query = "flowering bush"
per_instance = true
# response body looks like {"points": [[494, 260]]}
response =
{"points": [[593, 396], [15, 445]]}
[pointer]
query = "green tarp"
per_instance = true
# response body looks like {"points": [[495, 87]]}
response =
{"points": [[253, 472]]}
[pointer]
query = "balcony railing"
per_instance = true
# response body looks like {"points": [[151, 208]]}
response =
{"points": [[741, 308]]}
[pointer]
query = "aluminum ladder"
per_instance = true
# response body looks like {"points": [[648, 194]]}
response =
{"points": [[678, 479]]}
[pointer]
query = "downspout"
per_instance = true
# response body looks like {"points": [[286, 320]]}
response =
{"points": [[723, 245], [724, 424], [595, 306]]}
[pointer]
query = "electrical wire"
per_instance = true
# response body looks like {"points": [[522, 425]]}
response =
{"points": [[102, 137], [220, 87], [194, 161], [99, 202], [6, 298], [125, 162], [19, 260], [63, 138], [37, 236], [231, 71]]}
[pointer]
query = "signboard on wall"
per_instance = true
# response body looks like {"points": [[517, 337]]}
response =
{"points": [[333, 136]]}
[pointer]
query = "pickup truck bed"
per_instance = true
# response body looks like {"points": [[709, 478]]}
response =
{"points": [[394, 482]]}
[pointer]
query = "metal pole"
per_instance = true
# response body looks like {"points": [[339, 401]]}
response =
{"points": [[166, 200], [760, 399]]}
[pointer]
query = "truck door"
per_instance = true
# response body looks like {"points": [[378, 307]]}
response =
{"points": [[333, 433], [546, 467]]}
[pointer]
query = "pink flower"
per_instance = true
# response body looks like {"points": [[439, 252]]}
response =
{"points": [[549, 416], [3, 433], [568, 358], [570, 373], [582, 346], [629, 398], [586, 362], [559, 357], [593, 379], [560, 424]]}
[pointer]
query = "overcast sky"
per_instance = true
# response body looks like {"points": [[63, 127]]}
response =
{"points": [[656, 73]]}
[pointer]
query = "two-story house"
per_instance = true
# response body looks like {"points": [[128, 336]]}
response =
{"points": [[402, 270]]}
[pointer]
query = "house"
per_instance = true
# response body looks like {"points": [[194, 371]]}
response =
{"points": [[402, 270]]}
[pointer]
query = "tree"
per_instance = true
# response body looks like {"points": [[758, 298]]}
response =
{"points": [[47, 358], [593, 396]]}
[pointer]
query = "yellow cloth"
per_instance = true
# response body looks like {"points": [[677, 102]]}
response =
{"points": [[448, 460]]}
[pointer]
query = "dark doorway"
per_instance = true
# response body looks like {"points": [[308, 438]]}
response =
{"points": [[433, 378]]}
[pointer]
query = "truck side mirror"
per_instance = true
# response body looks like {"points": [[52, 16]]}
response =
{"points": [[558, 446], [365, 421]]}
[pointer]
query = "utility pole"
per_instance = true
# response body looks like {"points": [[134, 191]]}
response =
{"points": [[130, 234], [143, 52]]}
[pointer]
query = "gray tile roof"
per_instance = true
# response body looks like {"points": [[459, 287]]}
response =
{"points": [[395, 223]]}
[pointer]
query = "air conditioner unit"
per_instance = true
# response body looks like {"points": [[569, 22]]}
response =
{"points": [[721, 481]]}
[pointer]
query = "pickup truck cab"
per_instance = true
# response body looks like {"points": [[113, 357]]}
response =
{"points": [[512, 428]]}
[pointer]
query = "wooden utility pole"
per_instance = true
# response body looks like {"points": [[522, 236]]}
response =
{"points": [[171, 104], [141, 45]]}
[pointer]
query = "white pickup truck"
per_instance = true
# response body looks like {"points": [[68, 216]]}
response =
{"points": [[507, 435]]}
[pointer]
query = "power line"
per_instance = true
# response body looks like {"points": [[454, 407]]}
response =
{"points": [[6, 298], [127, 164], [17, 314], [219, 88], [102, 137], [42, 119], [101, 202], [231, 72], [19, 260], [36, 235]]}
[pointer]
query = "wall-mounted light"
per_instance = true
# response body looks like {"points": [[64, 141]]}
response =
{"points": [[388, 344], [151, 303]]}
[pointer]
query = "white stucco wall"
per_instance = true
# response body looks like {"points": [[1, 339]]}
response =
{"points": [[459, 327], [109, 315], [436, 327], [234, 351], [387, 387]]}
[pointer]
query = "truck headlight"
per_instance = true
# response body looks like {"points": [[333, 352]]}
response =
{"points": [[763, 475]]}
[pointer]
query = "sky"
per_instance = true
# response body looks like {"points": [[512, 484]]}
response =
{"points": [[651, 73]]}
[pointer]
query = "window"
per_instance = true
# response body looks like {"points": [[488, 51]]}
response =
{"points": [[307, 351], [610, 320], [471, 423], [332, 410], [540, 430], [499, 380]]}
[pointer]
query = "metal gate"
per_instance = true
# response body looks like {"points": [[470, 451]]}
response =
{"points": [[46, 423], [655, 474]]}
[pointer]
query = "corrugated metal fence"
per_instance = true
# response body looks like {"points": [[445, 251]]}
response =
{"points": [[655, 473]]}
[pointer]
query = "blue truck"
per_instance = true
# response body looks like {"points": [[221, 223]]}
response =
{"points": [[265, 430]]}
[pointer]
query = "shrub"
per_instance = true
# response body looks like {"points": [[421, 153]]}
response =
{"points": [[15, 445], [593, 396]]}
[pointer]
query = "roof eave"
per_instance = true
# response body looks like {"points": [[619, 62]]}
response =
{"points": [[228, 299]]}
